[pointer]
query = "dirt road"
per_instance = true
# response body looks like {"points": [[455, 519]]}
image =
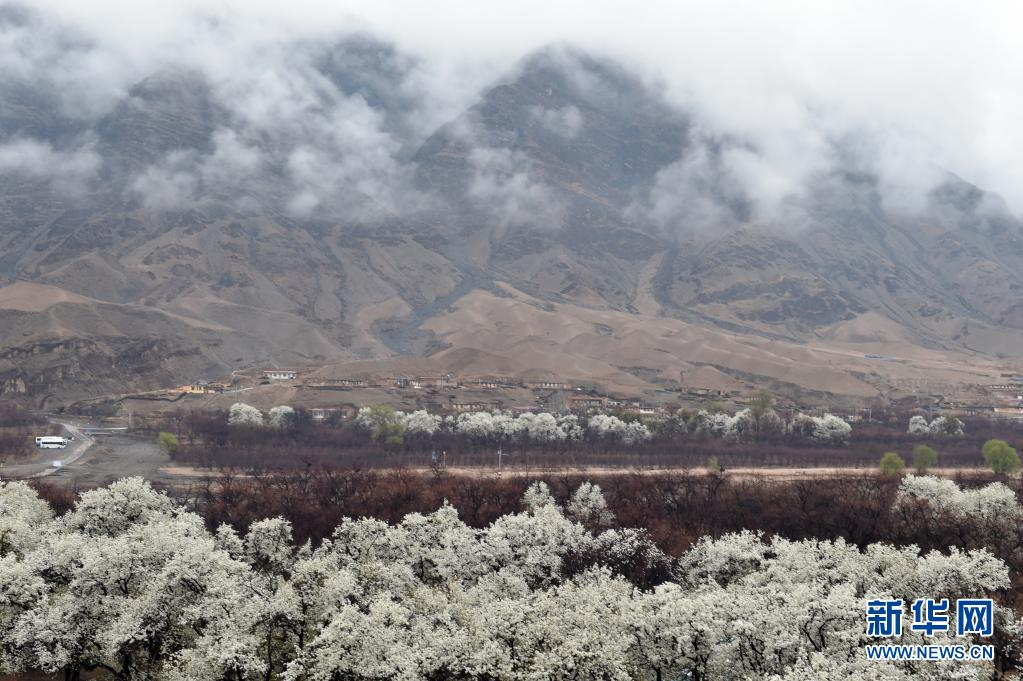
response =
{"points": [[96, 459], [42, 463], [114, 457]]}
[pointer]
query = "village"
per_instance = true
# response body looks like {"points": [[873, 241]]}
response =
{"points": [[439, 393], [339, 398]]}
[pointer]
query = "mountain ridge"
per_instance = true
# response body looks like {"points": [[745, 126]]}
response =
{"points": [[546, 187]]}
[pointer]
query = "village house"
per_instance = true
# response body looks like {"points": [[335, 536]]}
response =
{"points": [[279, 374], [640, 410], [349, 382], [585, 402], [203, 388], [469, 406], [433, 381], [1015, 412], [546, 384], [445, 381]]}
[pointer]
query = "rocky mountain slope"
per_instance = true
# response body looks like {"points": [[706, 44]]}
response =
{"points": [[169, 239]]}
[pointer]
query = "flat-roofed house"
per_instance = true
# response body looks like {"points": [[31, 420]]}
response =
{"points": [[279, 374]]}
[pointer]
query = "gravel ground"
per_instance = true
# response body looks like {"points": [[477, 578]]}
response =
{"points": [[113, 457]]}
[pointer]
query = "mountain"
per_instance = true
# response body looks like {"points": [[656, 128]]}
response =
{"points": [[172, 238]]}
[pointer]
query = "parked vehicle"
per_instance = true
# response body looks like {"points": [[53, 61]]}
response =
{"points": [[51, 442]]}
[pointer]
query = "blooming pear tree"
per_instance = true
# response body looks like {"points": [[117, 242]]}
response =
{"points": [[281, 417], [131, 586], [947, 426], [126, 583], [242, 414], [608, 427], [422, 422]]}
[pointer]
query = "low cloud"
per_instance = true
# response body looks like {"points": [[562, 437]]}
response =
{"points": [[565, 121], [696, 194], [69, 171], [170, 184], [327, 101], [506, 188]]}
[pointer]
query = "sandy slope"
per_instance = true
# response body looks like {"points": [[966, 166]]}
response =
{"points": [[26, 296], [630, 350]]}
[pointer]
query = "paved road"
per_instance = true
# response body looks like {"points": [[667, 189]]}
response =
{"points": [[41, 464]]}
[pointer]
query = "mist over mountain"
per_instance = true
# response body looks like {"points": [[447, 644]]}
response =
{"points": [[324, 200]]}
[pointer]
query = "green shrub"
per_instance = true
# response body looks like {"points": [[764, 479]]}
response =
{"points": [[168, 442], [924, 457], [1002, 458], [892, 464]]}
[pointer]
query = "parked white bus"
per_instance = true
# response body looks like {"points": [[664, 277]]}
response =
{"points": [[51, 442]]}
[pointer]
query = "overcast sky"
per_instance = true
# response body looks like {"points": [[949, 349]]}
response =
{"points": [[924, 83]]}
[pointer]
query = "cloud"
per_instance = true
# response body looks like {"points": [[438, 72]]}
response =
{"points": [[566, 121], [697, 194], [505, 187], [298, 127], [170, 184], [893, 89], [69, 171]]}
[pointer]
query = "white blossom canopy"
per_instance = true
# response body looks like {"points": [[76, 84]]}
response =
{"points": [[131, 585]]}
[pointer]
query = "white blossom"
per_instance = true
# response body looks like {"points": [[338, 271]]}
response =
{"points": [[242, 414], [537, 496], [742, 426], [948, 426], [422, 422], [23, 518], [588, 506], [607, 427], [918, 425], [831, 428], [941, 425], [281, 416], [828, 429], [635, 432], [541, 427], [569, 424], [477, 424], [131, 582], [716, 424], [994, 503]]}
